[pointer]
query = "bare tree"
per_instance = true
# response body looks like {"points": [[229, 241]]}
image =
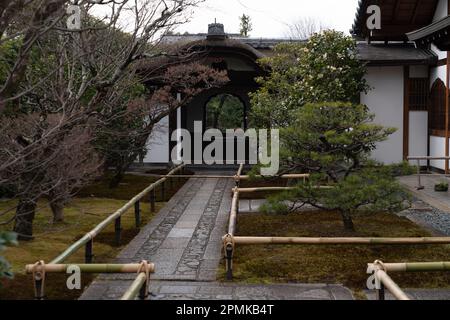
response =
{"points": [[303, 28], [76, 76]]}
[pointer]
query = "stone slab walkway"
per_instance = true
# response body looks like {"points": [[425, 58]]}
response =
{"points": [[184, 241]]}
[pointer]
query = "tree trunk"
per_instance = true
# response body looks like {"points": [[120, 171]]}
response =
{"points": [[117, 178], [23, 225], [57, 207], [348, 222]]}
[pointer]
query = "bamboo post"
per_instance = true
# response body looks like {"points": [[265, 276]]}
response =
{"points": [[39, 273], [419, 183], [118, 230], [152, 200], [381, 293], [88, 251], [137, 214], [237, 177], [228, 247]]}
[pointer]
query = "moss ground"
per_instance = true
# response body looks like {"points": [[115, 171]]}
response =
{"points": [[344, 264], [89, 208]]}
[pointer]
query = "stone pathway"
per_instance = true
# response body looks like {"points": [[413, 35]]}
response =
{"points": [[184, 241]]}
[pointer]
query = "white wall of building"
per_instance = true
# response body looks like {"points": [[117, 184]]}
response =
{"points": [[418, 134], [158, 143], [385, 100], [437, 149]]}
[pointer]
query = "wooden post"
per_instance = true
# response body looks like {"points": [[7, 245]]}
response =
{"points": [[118, 230], [381, 293], [447, 113], [88, 251], [406, 84], [137, 214], [419, 183], [152, 200], [229, 248], [143, 293], [163, 192]]}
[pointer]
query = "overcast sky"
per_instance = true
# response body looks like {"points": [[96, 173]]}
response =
{"points": [[271, 17]]}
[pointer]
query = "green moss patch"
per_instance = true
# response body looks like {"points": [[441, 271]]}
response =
{"points": [[345, 264]]}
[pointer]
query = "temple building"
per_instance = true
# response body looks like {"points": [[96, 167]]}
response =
{"points": [[407, 70]]}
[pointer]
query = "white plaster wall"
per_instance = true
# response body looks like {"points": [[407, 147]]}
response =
{"points": [[158, 143], [418, 134], [441, 10], [385, 100], [437, 149], [437, 72]]}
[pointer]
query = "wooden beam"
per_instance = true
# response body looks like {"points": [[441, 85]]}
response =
{"points": [[447, 114], [416, 11], [406, 112], [447, 105]]}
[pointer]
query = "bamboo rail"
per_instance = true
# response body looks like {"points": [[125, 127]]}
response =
{"points": [[383, 281], [91, 268], [416, 266], [136, 288], [233, 212], [418, 159], [240, 177], [339, 241], [87, 239], [387, 283], [144, 269]]}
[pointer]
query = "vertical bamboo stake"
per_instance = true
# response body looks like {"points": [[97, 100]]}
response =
{"points": [[228, 247], [163, 187], [381, 293], [137, 214], [152, 200], [419, 186], [88, 251], [118, 229]]}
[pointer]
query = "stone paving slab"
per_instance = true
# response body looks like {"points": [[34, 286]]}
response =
{"points": [[185, 290], [417, 294], [184, 241]]}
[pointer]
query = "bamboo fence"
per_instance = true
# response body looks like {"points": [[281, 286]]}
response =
{"points": [[144, 269], [138, 287], [427, 158], [87, 239], [383, 281], [230, 240]]}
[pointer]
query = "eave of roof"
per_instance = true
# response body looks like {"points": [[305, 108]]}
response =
{"points": [[437, 32], [398, 17], [395, 54]]}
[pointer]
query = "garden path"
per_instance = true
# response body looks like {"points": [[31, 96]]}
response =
{"points": [[184, 241]]}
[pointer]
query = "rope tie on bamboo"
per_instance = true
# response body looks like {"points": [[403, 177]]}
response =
{"points": [[39, 276], [228, 240], [144, 267], [380, 265]]}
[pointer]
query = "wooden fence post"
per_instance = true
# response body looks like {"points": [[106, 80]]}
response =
{"points": [[88, 252], [118, 230], [163, 191], [381, 292], [137, 214], [152, 200]]}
